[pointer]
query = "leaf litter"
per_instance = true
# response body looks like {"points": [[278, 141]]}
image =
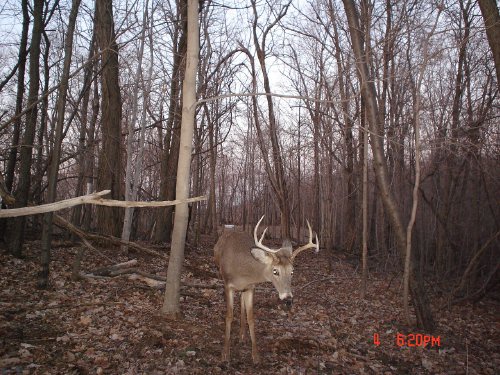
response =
{"points": [[114, 325]]}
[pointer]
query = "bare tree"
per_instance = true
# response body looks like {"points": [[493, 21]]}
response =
{"points": [[16, 230], [422, 309], [417, 86], [109, 173], [172, 288], [276, 176], [86, 135], [169, 161], [132, 176], [16, 132], [56, 152]]}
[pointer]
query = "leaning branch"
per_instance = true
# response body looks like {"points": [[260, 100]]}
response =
{"points": [[63, 223]]}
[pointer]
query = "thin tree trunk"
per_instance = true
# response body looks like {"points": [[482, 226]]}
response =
{"points": [[280, 187], [132, 177], [76, 216], [416, 186], [16, 131], [350, 226], [171, 145], [364, 280], [422, 309], [89, 161], [56, 152], [40, 164], [11, 164], [172, 287], [16, 230]]}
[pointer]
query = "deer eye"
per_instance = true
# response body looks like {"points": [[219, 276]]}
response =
{"points": [[276, 272], [291, 273]]}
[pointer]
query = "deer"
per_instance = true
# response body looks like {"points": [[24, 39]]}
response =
{"points": [[243, 262]]}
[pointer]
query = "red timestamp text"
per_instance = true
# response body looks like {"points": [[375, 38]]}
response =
{"points": [[412, 340]]}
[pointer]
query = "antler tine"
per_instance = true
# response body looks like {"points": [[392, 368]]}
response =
{"points": [[259, 243], [309, 245], [263, 234]]}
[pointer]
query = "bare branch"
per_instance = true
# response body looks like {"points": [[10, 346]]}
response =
{"points": [[90, 199]]}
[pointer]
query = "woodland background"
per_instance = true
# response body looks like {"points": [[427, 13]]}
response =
{"points": [[91, 99]]}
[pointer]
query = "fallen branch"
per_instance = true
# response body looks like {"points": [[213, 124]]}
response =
{"points": [[154, 281], [110, 271], [148, 281]]}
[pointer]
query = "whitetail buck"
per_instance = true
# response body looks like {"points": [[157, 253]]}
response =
{"points": [[243, 262]]}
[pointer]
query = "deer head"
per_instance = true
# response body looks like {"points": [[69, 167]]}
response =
{"points": [[243, 262]]}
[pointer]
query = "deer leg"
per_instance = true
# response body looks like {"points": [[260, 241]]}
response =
{"points": [[243, 319], [229, 320], [247, 295]]}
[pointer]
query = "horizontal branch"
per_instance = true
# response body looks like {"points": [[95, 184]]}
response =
{"points": [[51, 207], [95, 198], [286, 96], [115, 203]]}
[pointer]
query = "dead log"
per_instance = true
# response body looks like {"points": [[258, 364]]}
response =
{"points": [[115, 268]]}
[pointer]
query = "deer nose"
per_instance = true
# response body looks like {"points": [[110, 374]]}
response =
{"points": [[288, 301]]}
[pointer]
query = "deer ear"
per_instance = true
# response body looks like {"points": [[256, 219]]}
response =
{"points": [[262, 256]]}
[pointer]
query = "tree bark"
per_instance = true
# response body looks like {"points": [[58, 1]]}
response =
{"points": [[56, 152], [491, 16], [132, 177], [9, 174], [172, 287], [16, 230], [83, 139], [109, 173], [170, 156], [16, 131]]}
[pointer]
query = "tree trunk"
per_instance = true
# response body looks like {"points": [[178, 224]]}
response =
{"points": [[172, 287], [364, 279], [171, 145], [349, 158], [40, 163], [109, 173], [16, 230], [279, 186], [16, 132], [76, 215], [491, 16], [56, 152], [422, 309], [416, 115], [132, 177]]}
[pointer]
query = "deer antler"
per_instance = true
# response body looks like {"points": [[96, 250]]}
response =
{"points": [[309, 245], [259, 243]]}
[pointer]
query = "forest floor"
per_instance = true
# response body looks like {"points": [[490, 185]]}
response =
{"points": [[114, 325]]}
